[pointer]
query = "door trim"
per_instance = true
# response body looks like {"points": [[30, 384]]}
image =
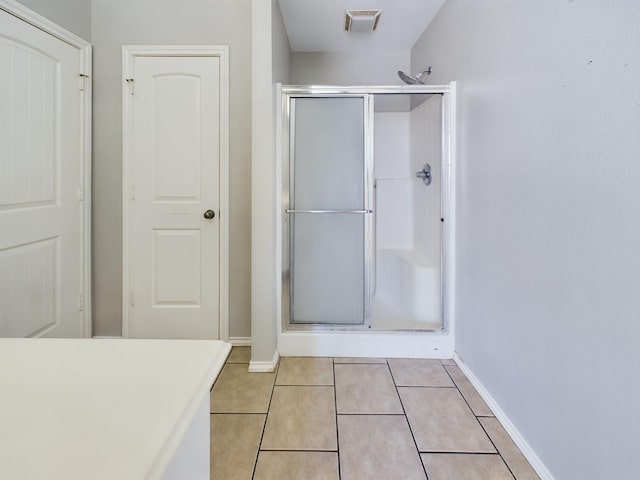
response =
{"points": [[310, 342], [129, 52], [85, 70]]}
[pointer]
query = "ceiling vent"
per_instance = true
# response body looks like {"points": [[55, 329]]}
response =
{"points": [[361, 20]]}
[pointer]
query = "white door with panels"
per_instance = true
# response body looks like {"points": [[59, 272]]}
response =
{"points": [[42, 250], [175, 139]]}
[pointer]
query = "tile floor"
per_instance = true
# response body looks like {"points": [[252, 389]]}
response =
{"points": [[351, 418]]}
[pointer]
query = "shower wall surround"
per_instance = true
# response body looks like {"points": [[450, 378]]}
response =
{"points": [[408, 225]]}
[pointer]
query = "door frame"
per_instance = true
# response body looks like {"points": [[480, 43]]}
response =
{"points": [[129, 53], [349, 343], [84, 188], [287, 164]]}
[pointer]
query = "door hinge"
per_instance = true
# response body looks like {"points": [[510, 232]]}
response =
{"points": [[81, 303], [130, 82], [131, 299], [83, 78], [81, 192], [132, 192]]}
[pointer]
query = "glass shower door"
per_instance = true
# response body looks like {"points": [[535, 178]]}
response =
{"points": [[329, 213]]}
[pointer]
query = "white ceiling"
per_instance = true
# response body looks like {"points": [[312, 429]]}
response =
{"points": [[318, 25]]}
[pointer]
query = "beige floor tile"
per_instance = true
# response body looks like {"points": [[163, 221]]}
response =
{"points": [[441, 421], [448, 361], [377, 447], [297, 466], [509, 451], [366, 389], [239, 355], [235, 439], [301, 418], [419, 373], [469, 392], [238, 391], [465, 467], [305, 371], [358, 360]]}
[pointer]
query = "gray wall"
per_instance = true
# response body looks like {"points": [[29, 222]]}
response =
{"points": [[377, 67], [119, 22], [270, 63], [280, 46], [548, 270], [74, 15], [348, 68]]}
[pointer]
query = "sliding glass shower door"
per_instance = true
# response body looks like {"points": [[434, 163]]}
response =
{"points": [[329, 213]]}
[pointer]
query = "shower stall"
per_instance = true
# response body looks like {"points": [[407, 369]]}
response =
{"points": [[365, 179]]}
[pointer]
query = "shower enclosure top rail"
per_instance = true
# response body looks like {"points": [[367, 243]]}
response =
{"points": [[362, 90]]}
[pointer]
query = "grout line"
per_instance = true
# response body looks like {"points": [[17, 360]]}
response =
{"points": [[463, 397], [437, 452], [497, 450], [461, 393], [415, 443], [347, 414], [359, 363], [266, 418], [302, 385], [298, 450], [335, 403], [237, 413], [479, 423], [426, 386]]}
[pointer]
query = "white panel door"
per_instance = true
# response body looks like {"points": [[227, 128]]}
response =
{"points": [[174, 163], [40, 172]]}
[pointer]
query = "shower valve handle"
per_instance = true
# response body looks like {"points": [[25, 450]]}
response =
{"points": [[425, 174]]}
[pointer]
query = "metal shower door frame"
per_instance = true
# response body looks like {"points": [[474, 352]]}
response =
{"points": [[288, 170], [447, 204]]}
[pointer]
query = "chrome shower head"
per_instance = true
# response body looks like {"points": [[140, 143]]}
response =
{"points": [[411, 80]]}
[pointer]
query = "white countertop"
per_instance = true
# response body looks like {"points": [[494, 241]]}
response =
{"points": [[92, 409]]}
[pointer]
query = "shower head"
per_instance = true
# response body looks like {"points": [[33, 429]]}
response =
{"points": [[411, 80]]}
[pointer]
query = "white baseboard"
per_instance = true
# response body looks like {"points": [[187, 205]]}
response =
{"points": [[264, 367], [540, 468], [106, 336]]}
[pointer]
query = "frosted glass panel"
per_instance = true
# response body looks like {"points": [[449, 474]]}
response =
{"points": [[328, 268], [328, 154], [327, 249]]}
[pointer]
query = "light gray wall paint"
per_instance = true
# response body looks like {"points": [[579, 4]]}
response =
{"points": [[280, 45], [74, 15], [349, 68], [265, 43], [119, 22], [265, 324], [548, 227], [355, 68]]}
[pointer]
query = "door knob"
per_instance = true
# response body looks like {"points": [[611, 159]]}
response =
{"points": [[209, 214]]}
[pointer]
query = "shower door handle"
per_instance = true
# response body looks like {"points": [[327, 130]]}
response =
{"points": [[361, 212]]}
